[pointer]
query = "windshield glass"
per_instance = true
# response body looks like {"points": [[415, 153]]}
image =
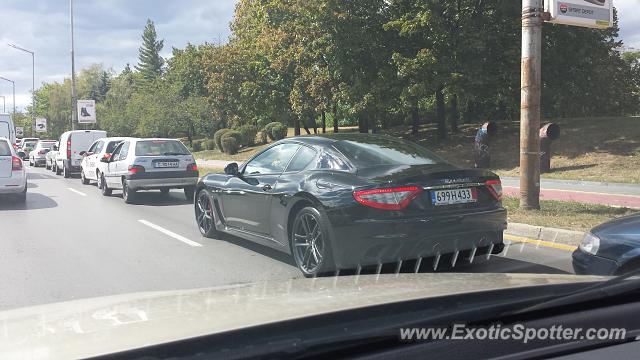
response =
{"points": [[160, 147], [385, 151], [279, 159]]}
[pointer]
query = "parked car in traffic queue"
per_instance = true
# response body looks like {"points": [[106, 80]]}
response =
{"points": [[611, 248], [72, 143], [92, 167], [347, 200], [38, 155], [13, 178], [149, 164]]}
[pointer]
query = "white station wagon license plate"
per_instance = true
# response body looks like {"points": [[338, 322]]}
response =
{"points": [[454, 196], [166, 164]]}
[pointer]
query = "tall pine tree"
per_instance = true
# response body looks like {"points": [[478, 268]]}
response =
{"points": [[150, 62]]}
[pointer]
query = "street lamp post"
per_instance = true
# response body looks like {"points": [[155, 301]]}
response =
{"points": [[14, 94], [74, 108], [33, 86]]}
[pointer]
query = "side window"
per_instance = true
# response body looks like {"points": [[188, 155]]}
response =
{"points": [[95, 148], [272, 161], [124, 151], [302, 160], [116, 153], [99, 146]]}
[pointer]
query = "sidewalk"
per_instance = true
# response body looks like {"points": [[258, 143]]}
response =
{"points": [[612, 194]]}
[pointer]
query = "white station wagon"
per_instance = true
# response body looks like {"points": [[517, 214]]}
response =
{"points": [[149, 164]]}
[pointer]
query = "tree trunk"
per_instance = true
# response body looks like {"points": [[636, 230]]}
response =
{"points": [[363, 125], [324, 122], [296, 126], [455, 115], [440, 113], [335, 118], [415, 120], [306, 127]]}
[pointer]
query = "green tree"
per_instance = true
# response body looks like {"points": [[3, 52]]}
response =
{"points": [[150, 63]]}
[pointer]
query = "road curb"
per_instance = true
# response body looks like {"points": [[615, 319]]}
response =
{"points": [[562, 236]]}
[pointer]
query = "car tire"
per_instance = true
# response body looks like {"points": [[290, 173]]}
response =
{"points": [[83, 178], [99, 182], [65, 173], [47, 166], [311, 243], [127, 194], [188, 192], [105, 188], [205, 214], [30, 163], [57, 170], [22, 197]]}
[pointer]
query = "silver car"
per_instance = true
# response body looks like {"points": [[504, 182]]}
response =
{"points": [[38, 156], [149, 164], [13, 178]]}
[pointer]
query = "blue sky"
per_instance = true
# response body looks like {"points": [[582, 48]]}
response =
{"points": [[108, 32]]}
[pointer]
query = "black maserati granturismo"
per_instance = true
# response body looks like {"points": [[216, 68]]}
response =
{"points": [[344, 201]]}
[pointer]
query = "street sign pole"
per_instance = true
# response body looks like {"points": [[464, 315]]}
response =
{"points": [[74, 114], [530, 79]]}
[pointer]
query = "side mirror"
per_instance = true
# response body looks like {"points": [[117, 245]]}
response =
{"points": [[83, 153], [231, 169], [106, 158], [55, 147]]}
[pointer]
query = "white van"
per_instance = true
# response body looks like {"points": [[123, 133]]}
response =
{"points": [[72, 143], [7, 130]]}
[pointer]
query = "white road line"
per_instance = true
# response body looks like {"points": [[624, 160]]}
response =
{"points": [[170, 233], [77, 192]]}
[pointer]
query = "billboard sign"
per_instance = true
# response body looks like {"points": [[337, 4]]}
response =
{"points": [[86, 111], [587, 13], [41, 125]]}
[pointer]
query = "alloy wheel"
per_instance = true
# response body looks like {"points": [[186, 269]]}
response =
{"points": [[308, 243], [204, 213]]}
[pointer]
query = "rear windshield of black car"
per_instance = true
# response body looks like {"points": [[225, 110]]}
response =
{"points": [[160, 147], [377, 151], [5, 148]]}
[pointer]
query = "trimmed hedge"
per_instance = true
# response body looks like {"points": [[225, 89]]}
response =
{"points": [[209, 144], [234, 134], [262, 135], [248, 134], [197, 145], [229, 145], [217, 136], [279, 131], [268, 127]]}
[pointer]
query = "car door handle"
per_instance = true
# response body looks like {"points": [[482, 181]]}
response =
{"points": [[267, 187]]}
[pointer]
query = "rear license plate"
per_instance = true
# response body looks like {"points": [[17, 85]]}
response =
{"points": [[166, 164], [454, 196]]}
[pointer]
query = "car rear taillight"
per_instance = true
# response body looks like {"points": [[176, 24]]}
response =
{"points": [[495, 188], [136, 169], [69, 148], [396, 198], [16, 163], [192, 167]]}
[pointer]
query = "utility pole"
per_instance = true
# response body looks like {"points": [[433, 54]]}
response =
{"points": [[14, 94], [74, 110], [33, 87], [530, 79]]}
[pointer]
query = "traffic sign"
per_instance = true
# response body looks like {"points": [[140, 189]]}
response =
{"points": [[41, 125], [86, 111], [587, 13], [19, 131]]}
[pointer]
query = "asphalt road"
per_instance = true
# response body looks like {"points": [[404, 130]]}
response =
{"points": [[69, 242]]}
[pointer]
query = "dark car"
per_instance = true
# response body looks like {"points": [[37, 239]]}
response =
{"points": [[611, 248], [349, 200]]}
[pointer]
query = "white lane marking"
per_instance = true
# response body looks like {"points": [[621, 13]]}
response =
{"points": [[77, 192], [169, 233]]}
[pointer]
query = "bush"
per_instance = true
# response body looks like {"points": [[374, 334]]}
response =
{"points": [[279, 131], [234, 134], [229, 145], [268, 127], [218, 136], [209, 144], [262, 135], [248, 134], [197, 145]]}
